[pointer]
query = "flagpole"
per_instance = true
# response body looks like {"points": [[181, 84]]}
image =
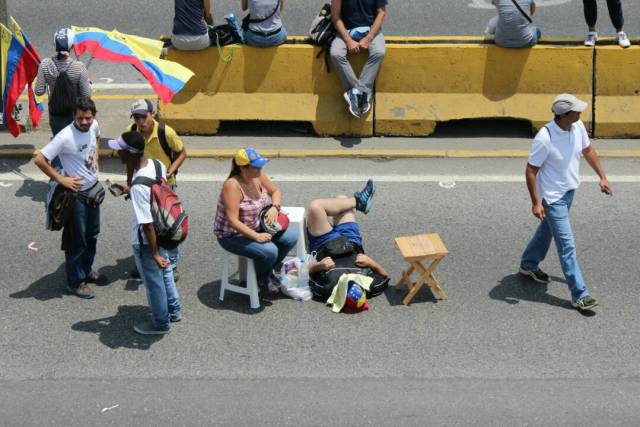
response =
{"points": [[3, 20]]}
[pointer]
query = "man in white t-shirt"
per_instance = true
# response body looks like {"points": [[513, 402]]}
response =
{"points": [[77, 148], [553, 174], [152, 261]]}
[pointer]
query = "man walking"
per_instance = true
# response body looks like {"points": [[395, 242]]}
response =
{"points": [[358, 25], [152, 261], [77, 148], [553, 175]]}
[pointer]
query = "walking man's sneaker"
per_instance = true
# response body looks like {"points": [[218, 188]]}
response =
{"points": [[623, 40], [537, 275], [364, 105], [364, 198], [147, 328], [591, 39], [585, 303], [174, 318], [83, 291], [351, 96], [176, 275]]}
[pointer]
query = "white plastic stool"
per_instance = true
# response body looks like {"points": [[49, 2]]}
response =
{"points": [[296, 219], [246, 270]]}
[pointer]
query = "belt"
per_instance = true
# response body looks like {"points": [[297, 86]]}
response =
{"points": [[267, 34]]}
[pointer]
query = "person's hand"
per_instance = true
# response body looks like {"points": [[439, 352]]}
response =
{"points": [[365, 42], [605, 187], [73, 183], [327, 263], [125, 189], [162, 262], [353, 46], [272, 216], [263, 237], [538, 211], [363, 260]]}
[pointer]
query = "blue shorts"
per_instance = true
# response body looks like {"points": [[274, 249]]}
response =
{"points": [[350, 230]]}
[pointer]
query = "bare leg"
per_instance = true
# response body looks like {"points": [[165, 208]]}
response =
{"points": [[345, 216], [319, 211]]}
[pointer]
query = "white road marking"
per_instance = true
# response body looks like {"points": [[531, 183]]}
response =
{"points": [[108, 408], [447, 184], [32, 246], [397, 178], [107, 80], [5, 185], [486, 4], [120, 86]]}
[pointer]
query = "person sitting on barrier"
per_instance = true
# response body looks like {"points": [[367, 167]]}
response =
{"points": [[245, 194], [617, 18], [190, 24], [338, 244], [263, 27], [513, 26], [358, 24]]}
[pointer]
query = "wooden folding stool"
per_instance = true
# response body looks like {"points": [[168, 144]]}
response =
{"points": [[416, 250]]}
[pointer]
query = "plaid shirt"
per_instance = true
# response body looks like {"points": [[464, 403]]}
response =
{"points": [[248, 213]]}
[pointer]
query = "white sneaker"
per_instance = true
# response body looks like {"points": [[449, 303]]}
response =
{"points": [[623, 40], [591, 39]]}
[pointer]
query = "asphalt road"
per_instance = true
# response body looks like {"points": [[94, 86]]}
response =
{"points": [[557, 18], [500, 351]]}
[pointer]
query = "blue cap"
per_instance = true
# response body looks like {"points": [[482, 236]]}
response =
{"points": [[249, 156]]}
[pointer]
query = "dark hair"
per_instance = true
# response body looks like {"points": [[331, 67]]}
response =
{"points": [[235, 169], [61, 56], [85, 104]]}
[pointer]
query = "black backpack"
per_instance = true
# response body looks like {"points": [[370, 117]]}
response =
{"points": [[322, 33], [162, 137], [344, 253], [64, 94]]}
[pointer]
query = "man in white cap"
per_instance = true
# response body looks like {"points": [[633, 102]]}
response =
{"points": [[553, 174], [152, 261]]}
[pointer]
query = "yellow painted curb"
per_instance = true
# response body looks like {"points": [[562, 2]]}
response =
{"points": [[357, 153]]}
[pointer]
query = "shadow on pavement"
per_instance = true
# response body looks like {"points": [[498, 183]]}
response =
{"points": [[515, 288], [117, 331], [120, 271], [209, 294], [36, 190], [349, 142], [14, 164], [395, 296], [46, 288]]}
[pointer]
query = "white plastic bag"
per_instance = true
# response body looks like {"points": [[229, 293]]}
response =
{"points": [[294, 278]]}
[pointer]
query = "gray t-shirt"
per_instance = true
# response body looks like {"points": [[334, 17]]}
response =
{"points": [[260, 9], [513, 28]]}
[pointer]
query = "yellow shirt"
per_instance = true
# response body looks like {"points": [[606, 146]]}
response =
{"points": [[153, 149]]}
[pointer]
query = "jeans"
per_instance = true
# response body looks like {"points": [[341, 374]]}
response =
{"points": [[258, 40], [265, 255], [371, 68], [615, 13], [556, 225], [162, 293], [79, 259]]}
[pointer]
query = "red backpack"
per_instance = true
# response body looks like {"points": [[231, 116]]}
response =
{"points": [[169, 219]]}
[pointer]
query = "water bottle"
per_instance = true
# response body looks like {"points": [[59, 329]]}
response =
{"points": [[303, 274], [235, 27]]}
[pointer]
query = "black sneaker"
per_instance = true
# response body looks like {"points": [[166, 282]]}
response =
{"points": [[147, 328], [175, 318], [537, 275], [176, 275], [351, 96], [134, 274], [364, 104], [585, 303], [364, 198], [97, 278]]}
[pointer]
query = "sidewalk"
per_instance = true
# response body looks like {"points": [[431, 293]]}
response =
{"points": [[467, 139]]}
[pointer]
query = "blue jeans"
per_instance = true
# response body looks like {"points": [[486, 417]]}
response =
{"points": [[264, 255], [79, 260], [162, 293], [556, 225], [258, 40]]}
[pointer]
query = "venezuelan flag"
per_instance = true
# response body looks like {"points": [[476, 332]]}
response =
{"points": [[18, 69], [166, 77], [36, 106]]}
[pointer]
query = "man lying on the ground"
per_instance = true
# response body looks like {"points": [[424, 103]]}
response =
{"points": [[338, 246]]}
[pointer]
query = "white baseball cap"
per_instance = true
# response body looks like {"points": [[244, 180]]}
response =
{"points": [[566, 102]]}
